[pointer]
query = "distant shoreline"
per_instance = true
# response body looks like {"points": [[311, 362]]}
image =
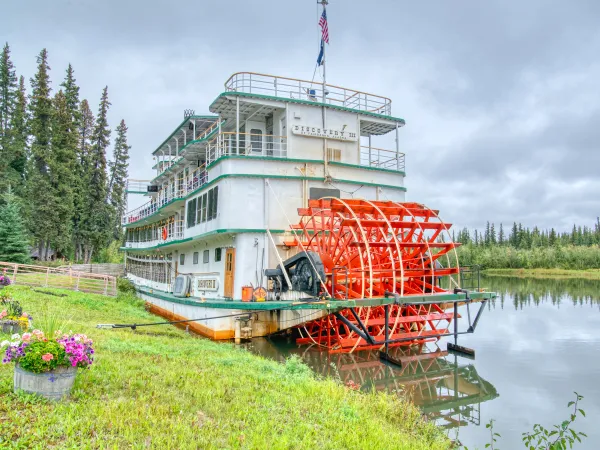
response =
{"points": [[589, 274]]}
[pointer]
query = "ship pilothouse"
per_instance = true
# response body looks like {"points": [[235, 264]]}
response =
{"points": [[281, 193]]}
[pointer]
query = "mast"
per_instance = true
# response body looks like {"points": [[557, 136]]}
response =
{"points": [[324, 3]]}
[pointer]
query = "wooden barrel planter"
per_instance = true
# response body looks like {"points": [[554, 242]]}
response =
{"points": [[53, 385], [10, 326]]}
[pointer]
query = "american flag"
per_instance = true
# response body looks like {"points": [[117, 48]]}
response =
{"points": [[323, 25]]}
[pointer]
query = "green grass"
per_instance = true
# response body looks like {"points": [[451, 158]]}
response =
{"points": [[590, 274], [161, 388]]}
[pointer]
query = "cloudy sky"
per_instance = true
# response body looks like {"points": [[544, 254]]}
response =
{"points": [[501, 98]]}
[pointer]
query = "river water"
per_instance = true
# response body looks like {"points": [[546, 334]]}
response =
{"points": [[535, 345]]}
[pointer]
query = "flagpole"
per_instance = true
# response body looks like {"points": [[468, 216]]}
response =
{"points": [[324, 4]]}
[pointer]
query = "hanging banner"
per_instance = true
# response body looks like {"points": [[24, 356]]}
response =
{"points": [[329, 133]]}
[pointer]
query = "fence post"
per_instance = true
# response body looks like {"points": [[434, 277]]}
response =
{"points": [[77, 284], [47, 275], [15, 270], [105, 285]]}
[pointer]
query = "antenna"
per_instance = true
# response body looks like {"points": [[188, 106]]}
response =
{"points": [[324, 3]]}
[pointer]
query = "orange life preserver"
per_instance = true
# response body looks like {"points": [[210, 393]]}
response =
{"points": [[165, 234]]}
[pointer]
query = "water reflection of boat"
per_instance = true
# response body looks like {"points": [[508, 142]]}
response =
{"points": [[444, 389]]}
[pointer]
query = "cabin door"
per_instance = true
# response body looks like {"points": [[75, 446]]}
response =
{"points": [[229, 270]]}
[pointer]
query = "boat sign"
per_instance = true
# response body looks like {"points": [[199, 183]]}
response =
{"points": [[328, 133]]}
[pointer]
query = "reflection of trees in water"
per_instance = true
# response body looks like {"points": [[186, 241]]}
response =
{"points": [[532, 292], [446, 390]]}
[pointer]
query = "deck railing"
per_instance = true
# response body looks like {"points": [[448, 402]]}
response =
{"points": [[259, 83], [246, 144], [223, 144], [382, 158], [155, 235], [40, 276]]}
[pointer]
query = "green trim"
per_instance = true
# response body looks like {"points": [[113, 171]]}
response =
{"points": [[307, 102], [204, 235], [252, 175], [332, 305], [297, 160], [179, 128], [136, 192], [357, 166]]}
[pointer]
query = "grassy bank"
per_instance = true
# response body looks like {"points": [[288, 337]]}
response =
{"points": [[158, 387], [590, 274]]}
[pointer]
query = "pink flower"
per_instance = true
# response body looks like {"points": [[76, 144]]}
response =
{"points": [[3, 314], [48, 357], [26, 337]]}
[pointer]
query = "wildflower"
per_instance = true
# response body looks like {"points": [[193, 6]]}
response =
{"points": [[26, 337], [3, 314], [15, 336], [48, 357], [4, 344]]}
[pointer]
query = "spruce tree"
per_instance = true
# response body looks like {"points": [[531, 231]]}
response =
{"points": [[20, 136], [118, 177], [8, 99], [501, 235], [39, 193], [81, 220], [62, 163], [98, 213], [13, 238]]}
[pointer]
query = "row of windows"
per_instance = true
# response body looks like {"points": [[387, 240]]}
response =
{"points": [[203, 208], [205, 257]]}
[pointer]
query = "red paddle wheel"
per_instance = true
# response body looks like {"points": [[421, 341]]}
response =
{"points": [[372, 249]]}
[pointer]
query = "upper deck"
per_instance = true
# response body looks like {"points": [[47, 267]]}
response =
{"points": [[280, 121]]}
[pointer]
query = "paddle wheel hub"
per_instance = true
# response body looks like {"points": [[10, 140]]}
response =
{"points": [[375, 249]]}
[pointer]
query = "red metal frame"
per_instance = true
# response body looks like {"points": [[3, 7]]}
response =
{"points": [[370, 248]]}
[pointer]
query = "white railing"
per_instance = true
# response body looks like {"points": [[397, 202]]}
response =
{"points": [[223, 144], [246, 144], [52, 277], [155, 235], [381, 158], [137, 186], [258, 83]]}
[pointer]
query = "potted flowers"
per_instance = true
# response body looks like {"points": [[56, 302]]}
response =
{"points": [[12, 317], [47, 366], [4, 280]]}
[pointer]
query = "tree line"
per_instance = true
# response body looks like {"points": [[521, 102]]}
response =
{"points": [[55, 179], [530, 248]]}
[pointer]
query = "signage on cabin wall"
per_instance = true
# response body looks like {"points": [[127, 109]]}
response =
{"points": [[207, 284], [329, 133]]}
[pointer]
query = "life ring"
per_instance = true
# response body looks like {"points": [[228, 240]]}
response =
{"points": [[165, 234]]}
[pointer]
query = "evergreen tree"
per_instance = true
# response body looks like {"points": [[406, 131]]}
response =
{"points": [[118, 177], [20, 136], [501, 235], [98, 214], [13, 239], [492, 234], [81, 221], [62, 165], [39, 193], [8, 100], [486, 238]]}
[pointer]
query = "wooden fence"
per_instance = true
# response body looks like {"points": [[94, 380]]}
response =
{"points": [[27, 275], [114, 270]]}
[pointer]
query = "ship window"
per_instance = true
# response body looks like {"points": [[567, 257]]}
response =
{"points": [[195, 257], [182, 259], [334, 154], [256, 139], [191, 213], [204, 206], [199, 209], [217, 254], [205, 256], [213, 196]]}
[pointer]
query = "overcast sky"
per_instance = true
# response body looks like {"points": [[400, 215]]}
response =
{"points": [[501, 98]]}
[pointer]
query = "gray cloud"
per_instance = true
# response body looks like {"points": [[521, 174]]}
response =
{"points": [[500, 98]]}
